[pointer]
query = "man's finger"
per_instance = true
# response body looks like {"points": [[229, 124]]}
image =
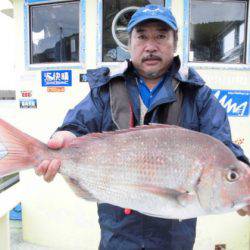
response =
{"points": [[52, 170], [42, 168], [60, 139], [55, 142]]}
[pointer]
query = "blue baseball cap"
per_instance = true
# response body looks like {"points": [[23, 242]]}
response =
{"points": [[155, 12]]}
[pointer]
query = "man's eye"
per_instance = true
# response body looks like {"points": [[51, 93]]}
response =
{"points": [[141, 37], [161, 36]]}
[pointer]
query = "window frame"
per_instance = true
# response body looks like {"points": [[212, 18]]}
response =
{"points": [[27, 38], [99, 45], [213, 65]]}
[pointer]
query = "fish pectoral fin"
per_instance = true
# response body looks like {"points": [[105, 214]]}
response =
{"points": [[184, 199], [78, 190], [164, 192]]}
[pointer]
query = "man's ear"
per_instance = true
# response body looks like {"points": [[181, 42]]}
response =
{"points": [[175, 41], [129, 46], [175, 48]]}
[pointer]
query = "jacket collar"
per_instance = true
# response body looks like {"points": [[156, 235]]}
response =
{"points": [[187, 75], [101, 76]]}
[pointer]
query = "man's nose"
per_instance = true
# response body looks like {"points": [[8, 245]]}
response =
{"points": [[151, 46]]}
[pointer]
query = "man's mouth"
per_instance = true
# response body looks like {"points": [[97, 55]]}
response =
{"points": [[151, 59]]}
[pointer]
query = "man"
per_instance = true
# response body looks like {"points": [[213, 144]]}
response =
{"points": [[150, 89]]}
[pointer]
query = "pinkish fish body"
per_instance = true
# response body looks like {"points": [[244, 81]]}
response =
{"points": [[160, 170]]}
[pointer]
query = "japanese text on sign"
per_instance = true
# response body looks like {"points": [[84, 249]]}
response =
{"points": [[56, 78]]}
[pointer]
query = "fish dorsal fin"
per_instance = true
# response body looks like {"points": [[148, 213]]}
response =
{"points": [[160, 125], [146, 127], [92, 136]]}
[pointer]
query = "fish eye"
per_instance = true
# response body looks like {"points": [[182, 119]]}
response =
{"points": [[232, 175]]}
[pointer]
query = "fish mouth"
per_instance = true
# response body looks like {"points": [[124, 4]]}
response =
{"points": [[241, 202]]}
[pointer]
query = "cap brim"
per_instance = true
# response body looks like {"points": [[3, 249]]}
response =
{"points": [[170, 24]]}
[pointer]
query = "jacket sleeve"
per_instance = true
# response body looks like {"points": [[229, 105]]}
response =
{"points": [[214, 121], [84, 118]]}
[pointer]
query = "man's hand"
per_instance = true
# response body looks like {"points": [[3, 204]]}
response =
{"points": [[244, 211], [49, 168]]}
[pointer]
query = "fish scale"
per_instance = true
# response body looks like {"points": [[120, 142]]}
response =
{"points": [[130, 161]]}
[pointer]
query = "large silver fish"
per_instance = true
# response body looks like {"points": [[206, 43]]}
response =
{"points": [[159, 170]]}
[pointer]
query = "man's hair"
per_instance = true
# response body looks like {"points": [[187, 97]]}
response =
{"points": [[174, 31]]}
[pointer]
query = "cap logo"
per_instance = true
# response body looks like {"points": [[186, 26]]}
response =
{"points": [[154, 11]]}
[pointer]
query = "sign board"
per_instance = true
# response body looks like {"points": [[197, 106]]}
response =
{"points": [[7, 95], [236, 102], [83, 78], [28, 103], [26, 93], [54, 78], [55, 89]]}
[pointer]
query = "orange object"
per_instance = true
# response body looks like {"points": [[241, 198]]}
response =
{"points": [[55, 89], [127, 211]]}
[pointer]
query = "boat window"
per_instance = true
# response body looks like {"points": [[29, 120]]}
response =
{"points": [[54, 32], [116, 15], [217, 31]]}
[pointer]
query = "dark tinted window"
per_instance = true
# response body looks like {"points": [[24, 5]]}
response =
{"points": [[218, 31], [118, 14], [55, 32], [8, 181]]}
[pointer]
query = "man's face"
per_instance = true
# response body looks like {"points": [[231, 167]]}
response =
{"points": [[152, 48]]}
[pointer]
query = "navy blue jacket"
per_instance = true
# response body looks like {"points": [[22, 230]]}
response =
{"points": [[200, 111]]}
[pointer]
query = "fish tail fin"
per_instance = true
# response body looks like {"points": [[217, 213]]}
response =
{"points": [[18, 150]]}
